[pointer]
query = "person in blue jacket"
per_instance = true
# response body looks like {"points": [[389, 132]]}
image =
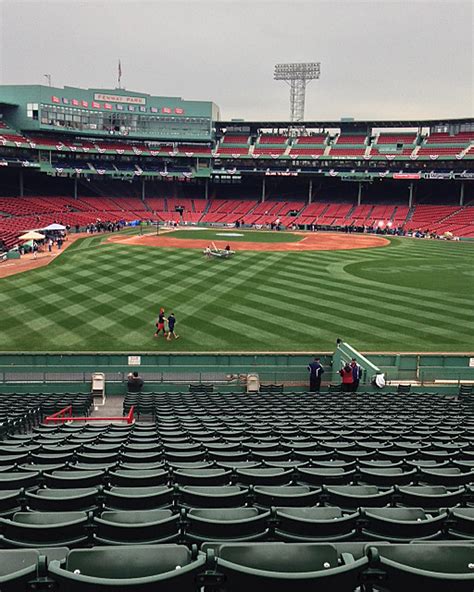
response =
{"points": [[315, 373], [356, 374]]}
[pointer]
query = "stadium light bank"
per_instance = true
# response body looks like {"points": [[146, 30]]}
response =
{"points": [[297, 76]]}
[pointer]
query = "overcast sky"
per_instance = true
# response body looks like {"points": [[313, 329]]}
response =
{"points": [[379, 58]]}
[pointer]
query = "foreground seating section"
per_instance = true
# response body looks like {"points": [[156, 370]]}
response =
{"points": [[223, 491], [232, 566]]}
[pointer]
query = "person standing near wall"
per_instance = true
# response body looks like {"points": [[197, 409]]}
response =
{"points": [[315, 373], [347, 378], [356, 374]]}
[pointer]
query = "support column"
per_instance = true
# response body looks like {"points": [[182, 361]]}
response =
{"points": [[263, 189], [310, 191], [359, 194], [75, 187], [21, 183], [143, 189], [206, 189], [410, 196], [461, 194]]}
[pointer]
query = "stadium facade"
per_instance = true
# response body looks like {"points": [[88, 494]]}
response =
{"points": [[86, 142]]}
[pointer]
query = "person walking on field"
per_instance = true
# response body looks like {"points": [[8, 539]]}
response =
{"points": [[160, 323], [356, 374], [171, 324], [315, 373], [347, 378]]}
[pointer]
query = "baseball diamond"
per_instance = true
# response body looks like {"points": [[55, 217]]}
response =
{"points": [[103, 296]]}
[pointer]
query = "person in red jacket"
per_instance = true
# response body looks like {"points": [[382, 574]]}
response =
{"points": [[347, 378]]}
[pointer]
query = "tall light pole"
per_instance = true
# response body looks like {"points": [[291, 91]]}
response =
{"points": [[297, 76]]}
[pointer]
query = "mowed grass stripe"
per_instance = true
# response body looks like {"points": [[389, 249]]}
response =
{"points": [[107, 297], [337, 292], [352, 313], [430, 299]]}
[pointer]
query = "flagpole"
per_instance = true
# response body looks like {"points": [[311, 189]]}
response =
{"points": [[119, 74]]}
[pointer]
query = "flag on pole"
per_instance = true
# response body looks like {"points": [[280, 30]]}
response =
{"points": [[119, 73]]}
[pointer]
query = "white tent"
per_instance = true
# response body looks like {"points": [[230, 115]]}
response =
{"points": [[32, 235], [54, 227]]}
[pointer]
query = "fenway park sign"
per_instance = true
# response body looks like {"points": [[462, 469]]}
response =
{"points": [[120, 99]]}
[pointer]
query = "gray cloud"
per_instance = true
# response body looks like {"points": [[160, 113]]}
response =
{"points": [[380, 58]]}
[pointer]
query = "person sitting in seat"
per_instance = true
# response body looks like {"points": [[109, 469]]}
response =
{"points": [[135, 383]]}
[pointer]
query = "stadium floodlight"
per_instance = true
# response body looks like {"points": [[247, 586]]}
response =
{"points": [[297, 76]]}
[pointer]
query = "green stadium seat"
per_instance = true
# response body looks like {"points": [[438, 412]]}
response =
{"points": [[203, 477], [279, 567], [264, 476], [434, 567], [324, 476], [138, 477], [19, 479], [42, 529], [225, 524], [72, 479], [63, 500], [429, 497], [352, 497], [401, 525], [10, 501], [461, 523], [137, 526], [267, 496], [314, 524], [141, 457], [147, 466], [448, 476], [138, 498], [226, 496], [17, 568], [97, 458], [186, 456], [231, 455], [386, 477], [12, 459], [144, 568]]}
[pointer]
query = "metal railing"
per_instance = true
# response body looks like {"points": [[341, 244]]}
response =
{"points": [[65, 416]]}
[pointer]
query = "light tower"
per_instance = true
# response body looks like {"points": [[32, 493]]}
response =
{"points": [[297, 76]]}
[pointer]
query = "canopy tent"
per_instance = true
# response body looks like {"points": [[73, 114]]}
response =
{"points": [[32, 235], [54, 227]]}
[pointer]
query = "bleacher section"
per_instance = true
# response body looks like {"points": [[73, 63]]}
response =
{"points": [[443, 144], [18, 215], [335, 214], [441, 219], [228, 211], [394, 145], [426, 216], [233, 491], [309, 146], [270, 211], [270, 145], [233, 144], [349, 145]]}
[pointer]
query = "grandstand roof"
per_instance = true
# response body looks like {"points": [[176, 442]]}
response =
{"points": [[349, 125]]}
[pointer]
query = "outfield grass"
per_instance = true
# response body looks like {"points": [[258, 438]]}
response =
{"points": [[413, 295], [254, 236]]}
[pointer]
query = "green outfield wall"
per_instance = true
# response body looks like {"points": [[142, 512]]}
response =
{"points": [[46, 372]]}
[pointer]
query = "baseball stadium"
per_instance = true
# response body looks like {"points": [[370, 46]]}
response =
{"points": [[234, 354]]}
